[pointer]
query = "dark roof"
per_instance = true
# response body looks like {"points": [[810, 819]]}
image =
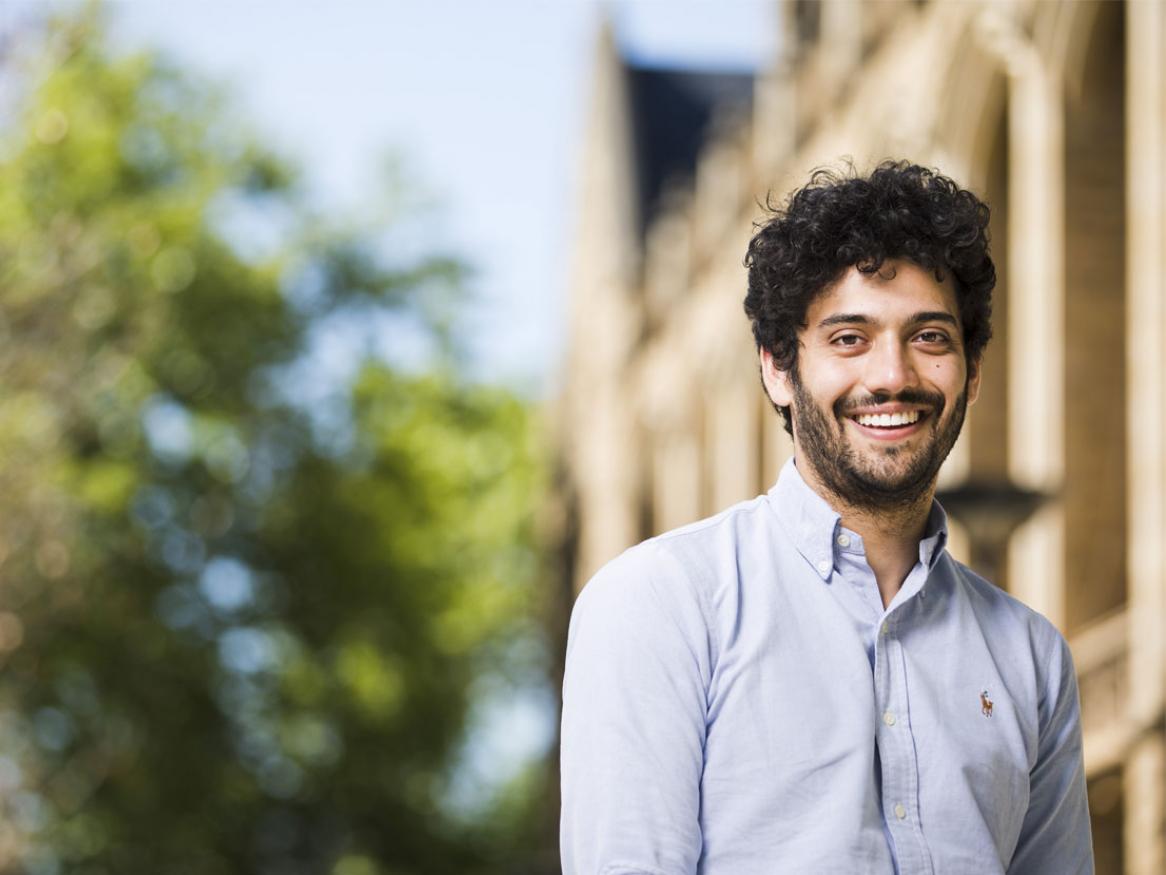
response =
{"points": [[671, 112]]}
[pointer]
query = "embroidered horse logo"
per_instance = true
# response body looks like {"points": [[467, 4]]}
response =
{"points": [[985, 704]]}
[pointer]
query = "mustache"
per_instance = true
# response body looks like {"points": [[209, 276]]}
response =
{"points": [[907, 396]]}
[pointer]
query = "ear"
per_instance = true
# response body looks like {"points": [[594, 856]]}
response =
{"points": [[777, 382], [975, 371]]}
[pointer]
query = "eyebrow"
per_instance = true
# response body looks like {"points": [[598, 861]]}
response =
{"points": [[860, 319], [935, 316]]}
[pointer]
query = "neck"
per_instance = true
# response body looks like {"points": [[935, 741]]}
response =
{"points": [[890, 535]]}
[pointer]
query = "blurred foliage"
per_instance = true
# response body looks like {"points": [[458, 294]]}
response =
{"points": [[241, 617]]}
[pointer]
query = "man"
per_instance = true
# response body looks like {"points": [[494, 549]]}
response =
{"points": [[808, 682]]}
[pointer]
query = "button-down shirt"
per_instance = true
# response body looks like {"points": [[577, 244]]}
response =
{"points": [[738, 700]]}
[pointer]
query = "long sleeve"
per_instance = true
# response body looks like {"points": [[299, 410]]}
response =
{"points": [[1055, 837], [633, 731]]}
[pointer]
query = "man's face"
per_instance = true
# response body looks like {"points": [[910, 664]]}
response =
{"points": [[880, 388]]}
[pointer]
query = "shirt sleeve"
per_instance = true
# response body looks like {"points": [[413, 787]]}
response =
{"points": [[1055, 837], [634, 706]]}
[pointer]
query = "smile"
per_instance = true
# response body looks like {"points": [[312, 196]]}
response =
{"points": [[896, 426], [888, 420]]}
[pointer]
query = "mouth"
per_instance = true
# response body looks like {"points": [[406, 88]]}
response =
{"points": [[889, 425]]}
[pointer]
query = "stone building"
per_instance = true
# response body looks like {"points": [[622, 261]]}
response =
{"points": [[1056, 113]]}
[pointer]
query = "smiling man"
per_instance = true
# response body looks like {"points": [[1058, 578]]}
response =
{"points": [[808, 682]]}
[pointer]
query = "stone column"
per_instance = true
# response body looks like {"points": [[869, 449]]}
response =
{"points": [[774, 120], [841, 39], [1145, 773], [676, 480], [1036, 321], [604, 318], [734, 430]]}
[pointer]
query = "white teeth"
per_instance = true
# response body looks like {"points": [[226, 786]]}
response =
{"points": [[888, 420]]}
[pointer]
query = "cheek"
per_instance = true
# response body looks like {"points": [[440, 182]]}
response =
{"points": [[831, 383], [948, 368], [949, 379], [827, 396]]}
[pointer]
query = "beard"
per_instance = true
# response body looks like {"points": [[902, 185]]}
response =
{"points": [[882, 478]]}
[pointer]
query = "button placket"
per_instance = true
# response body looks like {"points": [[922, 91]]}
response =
{"points": [[897, 753]]}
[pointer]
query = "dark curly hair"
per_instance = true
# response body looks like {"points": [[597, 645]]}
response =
{"points": [[839, 220]]}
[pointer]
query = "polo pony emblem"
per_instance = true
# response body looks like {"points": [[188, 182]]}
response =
{"points": [[985, 704]]}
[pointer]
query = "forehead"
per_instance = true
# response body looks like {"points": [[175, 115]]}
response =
{"points": [[895, 293]]}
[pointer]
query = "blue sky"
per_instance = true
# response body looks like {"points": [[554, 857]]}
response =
{"points": [[482, 103]]}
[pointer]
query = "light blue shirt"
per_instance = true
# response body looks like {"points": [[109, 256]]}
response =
{"points": [[737, 700]]}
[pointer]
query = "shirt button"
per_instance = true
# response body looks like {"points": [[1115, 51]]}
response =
{"points": [[886, 628], [844, 540], [888, 718], [823, 566], [900, 811]]}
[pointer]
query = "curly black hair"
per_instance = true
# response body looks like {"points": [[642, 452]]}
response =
{"points": [[839, 220]]}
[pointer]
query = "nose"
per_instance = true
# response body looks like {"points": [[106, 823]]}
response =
{"points": [[890, 368]]}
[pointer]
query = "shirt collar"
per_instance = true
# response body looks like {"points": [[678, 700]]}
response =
{"points": [[814, 525], [934, 536]]}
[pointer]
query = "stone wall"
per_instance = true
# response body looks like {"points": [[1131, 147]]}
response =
{"points": [[1056, 112]]}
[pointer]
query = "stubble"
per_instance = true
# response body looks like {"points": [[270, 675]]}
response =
{"points": [[882, 479]]}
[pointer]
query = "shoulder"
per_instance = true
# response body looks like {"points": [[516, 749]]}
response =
{"points": [[1007, 615], [690, 553], [645, 591], [712, 550], [678, 574]]}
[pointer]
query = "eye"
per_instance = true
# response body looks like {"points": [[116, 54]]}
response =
{"points": [[847, 341], [933, 337]]}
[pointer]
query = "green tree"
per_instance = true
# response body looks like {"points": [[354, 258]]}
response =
{"points": [[241, 613]]}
